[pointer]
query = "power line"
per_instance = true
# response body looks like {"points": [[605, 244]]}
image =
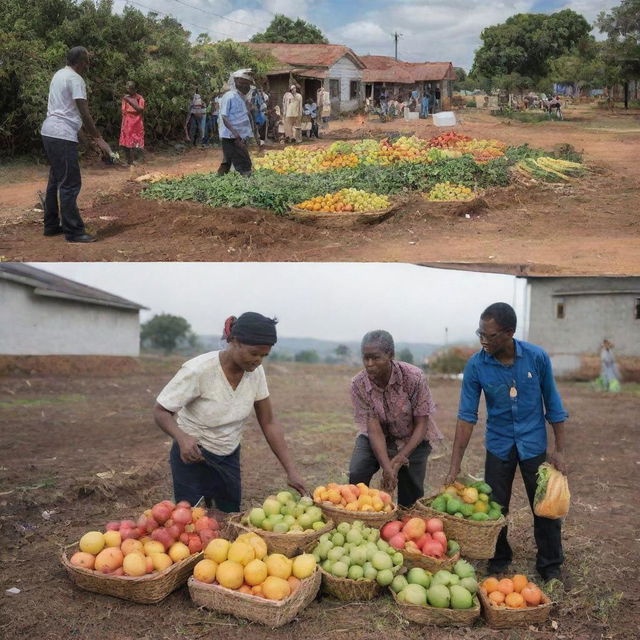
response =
{"points": [[217, 15]]}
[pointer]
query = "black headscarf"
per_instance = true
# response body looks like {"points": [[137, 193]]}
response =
{"points": [[251, 328]]}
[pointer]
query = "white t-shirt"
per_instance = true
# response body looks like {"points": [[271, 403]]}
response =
{"points": [[63, 118], [206, 405]]}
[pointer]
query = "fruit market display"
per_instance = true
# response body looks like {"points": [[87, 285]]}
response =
{"points": [[354, 497], [346, 200], [286, 512], [449, 139], [444, 589], [516, 592], [550, 169], [357, 552], [162, 536], [419, 535], [448, 192], [471, 501], [245, 566]]}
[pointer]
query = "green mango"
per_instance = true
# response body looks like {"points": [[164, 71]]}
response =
{"points": [[493, 515], [479, 517], [466, 510], [453, 506], [439, 504]]}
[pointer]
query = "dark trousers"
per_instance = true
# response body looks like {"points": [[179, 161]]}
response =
{"points": [[235, 155], [499, 475], [364, 465], [215, 479], [65, 182]]}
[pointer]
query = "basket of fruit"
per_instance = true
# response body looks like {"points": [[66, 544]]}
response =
{"points": [[118, 563], [449, 193], [356, 564], [345, 208], [421, 541], [470, 517], [241, 579], [513, 602], [444, 599], [349, 502], [288, 524]]}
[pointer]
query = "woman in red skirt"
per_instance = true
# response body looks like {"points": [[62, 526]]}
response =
{"points": [[132, 129]]}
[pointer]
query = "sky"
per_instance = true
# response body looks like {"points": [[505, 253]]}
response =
{"points": [[331, 301], [434, 30]]}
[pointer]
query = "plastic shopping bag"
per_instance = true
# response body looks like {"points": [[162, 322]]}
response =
{"points": [[552, 493]]}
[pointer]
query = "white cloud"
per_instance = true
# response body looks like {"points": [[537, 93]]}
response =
{"points": [[291, 8], [240, 25]]}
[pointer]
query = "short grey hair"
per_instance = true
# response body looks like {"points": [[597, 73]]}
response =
{"points": [[76, 54], [379, 337]]}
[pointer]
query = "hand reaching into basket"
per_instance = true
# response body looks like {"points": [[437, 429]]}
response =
{"points": [[296, 482]]}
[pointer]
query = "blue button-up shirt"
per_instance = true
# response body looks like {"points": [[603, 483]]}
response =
{"points": [[234, 107], [513, 418]]}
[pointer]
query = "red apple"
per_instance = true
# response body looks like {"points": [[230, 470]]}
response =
{"points": [[151, 524], [434, 524], [390, 529], [213, 524], [113, 526], [184, 537], [422, 539], [202, 523], [441, 538], [184, 503], [169, 504], [398, 541], [129, 533], [128, 524], [195, 544], [160, 512], [433, 548], [207, 535], [162, 535], [175, 530], [181, 515], [414, 528]]}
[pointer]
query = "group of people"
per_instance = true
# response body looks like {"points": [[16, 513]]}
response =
{"points": [[394, 106], [551, 105], [206, 404]]}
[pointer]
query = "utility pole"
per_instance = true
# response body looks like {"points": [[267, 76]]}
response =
{"points": [[446, 337], [396, 35]]}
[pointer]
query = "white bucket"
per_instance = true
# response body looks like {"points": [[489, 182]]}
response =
{"points": [[411, 115], [444, 119]]}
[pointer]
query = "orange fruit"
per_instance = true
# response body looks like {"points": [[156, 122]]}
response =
{"points": [[532, 595], [519, 582], [490, 584], [506, 586], [294, 583], [245, 588], [496, 597], [514, 601]]}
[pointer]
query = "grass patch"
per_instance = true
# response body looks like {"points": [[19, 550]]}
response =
{"points": [[41, 402], [531, 117]]}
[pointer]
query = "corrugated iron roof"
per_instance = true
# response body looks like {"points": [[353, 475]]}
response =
{"points": [[46, 283], [306, 55], [388, 69]]}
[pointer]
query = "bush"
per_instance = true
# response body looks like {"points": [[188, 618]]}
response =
{"points": [[451, 360]]}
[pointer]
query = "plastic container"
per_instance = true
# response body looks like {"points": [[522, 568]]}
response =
{"points": [[444, 119], [411, 115]]}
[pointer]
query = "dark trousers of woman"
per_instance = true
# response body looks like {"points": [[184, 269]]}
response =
{"points": [[499, 475], [364, 465], [215, 479], [65, 181]]}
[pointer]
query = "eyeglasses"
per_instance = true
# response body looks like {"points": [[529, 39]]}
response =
{"points": [[488, 337]]}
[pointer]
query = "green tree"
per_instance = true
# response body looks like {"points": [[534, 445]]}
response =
{"points": [[167, 332], [283, 29], [405, 355], [461, 76], [526, 42], [343, 351], [308, 355], [621, 52], [450, 361]]}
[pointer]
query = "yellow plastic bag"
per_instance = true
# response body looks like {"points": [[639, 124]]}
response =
{"points": [[552, 493]]}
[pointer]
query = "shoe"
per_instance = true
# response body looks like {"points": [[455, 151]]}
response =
{"points": [[84, 238], [496, 568], [56, 231]]}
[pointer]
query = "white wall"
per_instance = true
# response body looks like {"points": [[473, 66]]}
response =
{"points": [[38, 325], [346, 71]]}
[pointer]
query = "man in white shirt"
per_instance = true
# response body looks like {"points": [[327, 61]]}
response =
{"points": [[235, 124], [67, 113], [292, 111]]}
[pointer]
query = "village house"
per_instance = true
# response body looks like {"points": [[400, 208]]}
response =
{"points": [[51, 315]]}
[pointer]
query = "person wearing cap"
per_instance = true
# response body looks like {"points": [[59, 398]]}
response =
{"points": [[292, 110], [204, 408], [234, 124]]}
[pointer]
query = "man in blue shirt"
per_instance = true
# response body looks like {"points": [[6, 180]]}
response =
{"points": [[520, 394]]}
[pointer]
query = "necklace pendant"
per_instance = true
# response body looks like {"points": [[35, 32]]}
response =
{"points": [[513, 392]]}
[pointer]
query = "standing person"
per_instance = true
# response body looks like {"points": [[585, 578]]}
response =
{"points": [[67, 113], [609, 373], [194, 126], [520, 393], [392, 408], [311, 112], [235, 124], [132, 127], [437, 96], [259, 112], [292, 111], [204, 409], [424, 105], [324, 107]]}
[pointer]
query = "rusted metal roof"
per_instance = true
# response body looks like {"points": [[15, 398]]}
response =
{"points": [[306, 55], [388, 69]]}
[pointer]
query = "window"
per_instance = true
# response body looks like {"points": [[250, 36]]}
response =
{"points": [[560, 310], [334, 88], [637, 309], [354, 90]]}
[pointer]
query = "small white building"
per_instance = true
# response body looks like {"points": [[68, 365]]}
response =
{"points": [[44, 314]]}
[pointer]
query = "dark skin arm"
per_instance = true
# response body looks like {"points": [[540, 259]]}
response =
{"points": [[238, 138], [90, 127], [134, 103], [557, 457], [274, 435], [378, 443], [418, 435], [189, 450], [464, 430]]}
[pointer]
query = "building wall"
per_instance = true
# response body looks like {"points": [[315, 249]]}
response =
{"points": [[39, 325], [588, 318], [345, 71]]}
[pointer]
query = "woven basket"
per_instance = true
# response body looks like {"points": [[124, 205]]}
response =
{"points": [[272, 613], [370, 518], [147, 589], [342, 218], [504, 618], [288, 544], [424, 614], [349, 590], [477, 540]]}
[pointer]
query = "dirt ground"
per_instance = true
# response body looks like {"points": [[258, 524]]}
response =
{"points": [[588, 228], [61, 428]]}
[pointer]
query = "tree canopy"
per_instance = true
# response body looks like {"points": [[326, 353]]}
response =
{"points": [[167, 332], [284, 29], [526, 43]]}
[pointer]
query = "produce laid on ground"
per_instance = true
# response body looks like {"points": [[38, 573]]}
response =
{"points": [[347, 200], [471, 500], [549, 169], [286, 512], [354, 497], [162, 536], [448, 192], [417, 535]]}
